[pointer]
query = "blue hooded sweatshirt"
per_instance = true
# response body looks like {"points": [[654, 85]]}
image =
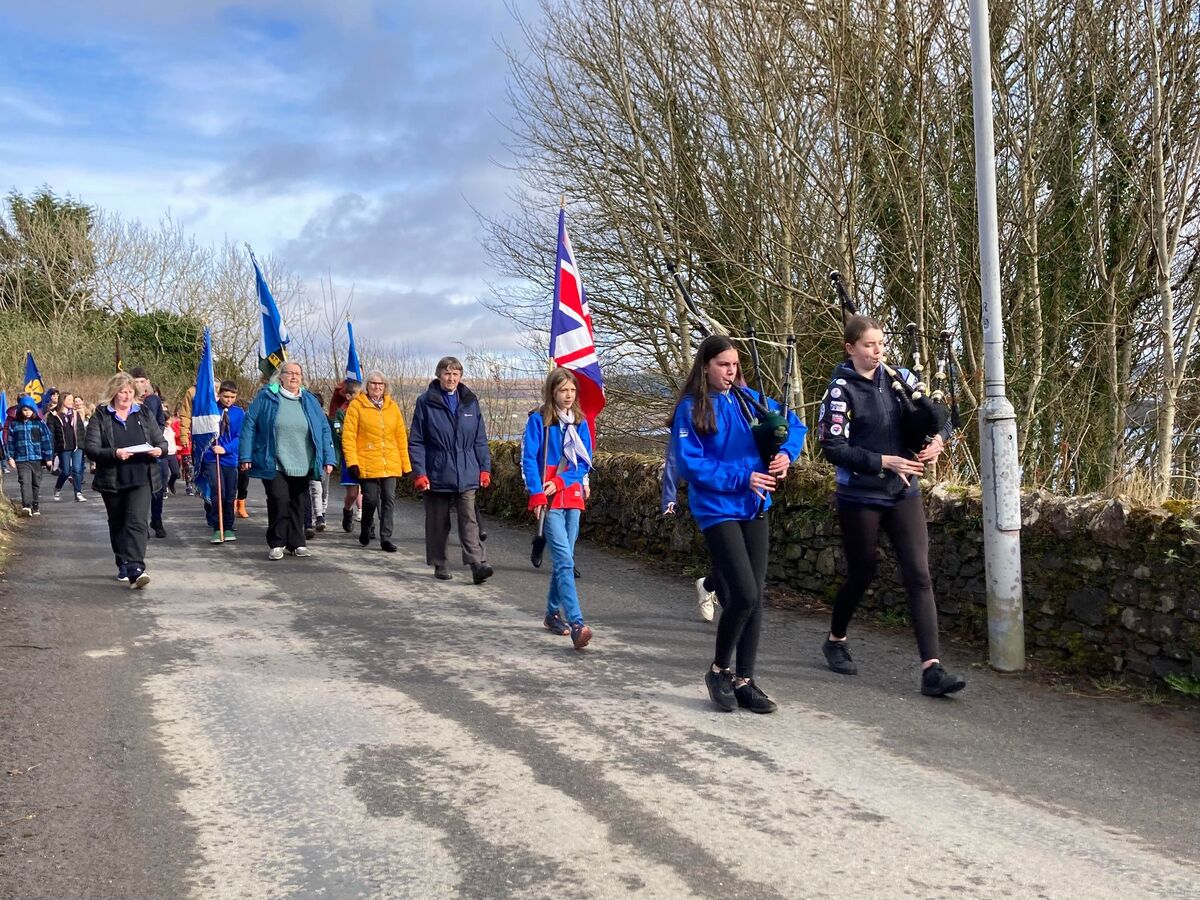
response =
{"points": [[717, 466]]}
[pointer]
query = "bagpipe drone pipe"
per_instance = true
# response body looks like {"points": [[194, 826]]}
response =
{"points": [[923, 415], [769, 428]]}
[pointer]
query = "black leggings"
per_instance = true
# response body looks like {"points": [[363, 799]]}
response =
{"points": [[738, 551], [905, 526]]}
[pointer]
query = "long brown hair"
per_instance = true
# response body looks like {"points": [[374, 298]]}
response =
{"points": [[704, 420], [549, 408]]}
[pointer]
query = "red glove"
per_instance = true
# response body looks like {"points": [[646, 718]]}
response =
{"points": [[485, 479], [421, 482]]}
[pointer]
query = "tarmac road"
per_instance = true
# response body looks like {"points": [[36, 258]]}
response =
{"points": [[345, 726]]}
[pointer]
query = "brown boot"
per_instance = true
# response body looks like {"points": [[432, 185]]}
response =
{"points": [[239, 507]]}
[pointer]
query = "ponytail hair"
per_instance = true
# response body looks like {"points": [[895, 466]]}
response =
{"points": [[857, 326]]}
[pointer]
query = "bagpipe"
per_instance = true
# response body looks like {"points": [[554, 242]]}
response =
{"points": [[769, 428], [923, 414]]}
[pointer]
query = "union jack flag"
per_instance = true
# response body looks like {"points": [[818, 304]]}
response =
{"points": [[572, 341]]}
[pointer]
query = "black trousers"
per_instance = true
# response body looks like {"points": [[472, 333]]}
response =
{"points": [[156, 499], [243, 490], [905, 526], [378, 494], [286, 497], [738, 551], [128, 510]]}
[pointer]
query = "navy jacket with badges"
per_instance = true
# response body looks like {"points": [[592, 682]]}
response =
{"points": [[450, 448], [717, 467], [859, 424]]}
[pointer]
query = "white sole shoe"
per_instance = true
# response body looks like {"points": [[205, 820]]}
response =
{"points": [[704, 601], [276, 553]]}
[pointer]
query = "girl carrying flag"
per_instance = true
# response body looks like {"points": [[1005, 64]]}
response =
{"points": [[556, 456]]}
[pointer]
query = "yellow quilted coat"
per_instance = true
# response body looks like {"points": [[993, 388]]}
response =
{"points": [[375, 440]]}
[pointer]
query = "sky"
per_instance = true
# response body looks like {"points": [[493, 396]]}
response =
{"points": [[350, 138]]}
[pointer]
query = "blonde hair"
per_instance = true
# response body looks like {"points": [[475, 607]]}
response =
{"points": [[556, 379], [117, 383]]}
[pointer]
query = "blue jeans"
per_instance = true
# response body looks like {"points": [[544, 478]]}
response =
{"points": [[70, 465], [561, 529]]}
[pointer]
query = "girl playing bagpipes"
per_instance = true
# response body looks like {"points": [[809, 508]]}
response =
{"points": [[729, 492], [862, 433], [556, 456]]}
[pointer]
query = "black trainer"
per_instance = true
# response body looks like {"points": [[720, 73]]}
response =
{"points": [[347, 520], [837, 656], [388, 547], [481, 572], [441, 573], [364, 538], [159, 531], [720, 688], [750, 696], [937, 682]]}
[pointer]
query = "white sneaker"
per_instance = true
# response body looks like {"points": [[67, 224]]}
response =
{"points": [[37, 512], [301, 551], [79, 498], [704, 601], [57, 496], [276, 553], [358, 514], [26, 511]]}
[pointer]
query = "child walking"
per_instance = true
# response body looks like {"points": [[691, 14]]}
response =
{"points": [[30, 447], [556, 457], [729, 493]]}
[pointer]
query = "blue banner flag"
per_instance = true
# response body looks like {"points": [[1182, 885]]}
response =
{"points": [[206, 414], [33, 379], [353, 366], [272, 346]]}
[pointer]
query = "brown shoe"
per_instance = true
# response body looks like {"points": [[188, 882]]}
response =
{"points": [[580, 635], [239, 508]]}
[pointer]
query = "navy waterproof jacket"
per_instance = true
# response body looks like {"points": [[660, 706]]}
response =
{"points": [[449, 448]]}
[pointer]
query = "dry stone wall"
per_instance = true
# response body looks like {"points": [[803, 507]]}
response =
{"points": [[1108, 586]]}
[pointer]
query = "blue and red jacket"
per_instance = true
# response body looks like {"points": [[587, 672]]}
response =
{"points": [[545, 444]]}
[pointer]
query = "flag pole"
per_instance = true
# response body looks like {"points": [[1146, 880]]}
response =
{"points": [[220, 505]]}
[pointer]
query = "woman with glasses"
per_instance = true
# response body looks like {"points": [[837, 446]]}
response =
{"points": [[286, 442], [375, 449]]}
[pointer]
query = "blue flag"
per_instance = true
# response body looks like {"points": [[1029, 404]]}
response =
{"points": [[272, 346], [33, 379], [353, 366], [206, 414]]}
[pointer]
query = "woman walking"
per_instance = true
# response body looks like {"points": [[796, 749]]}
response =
{"points": [[451, 462], [877, 488], [556, 456], [127, 473], [69, 433], [285, 441], [375, 450], [729, 493]]}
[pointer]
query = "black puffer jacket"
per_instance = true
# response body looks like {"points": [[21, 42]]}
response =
{"points": [[64, 436], [100, 448], [859, 424]]}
